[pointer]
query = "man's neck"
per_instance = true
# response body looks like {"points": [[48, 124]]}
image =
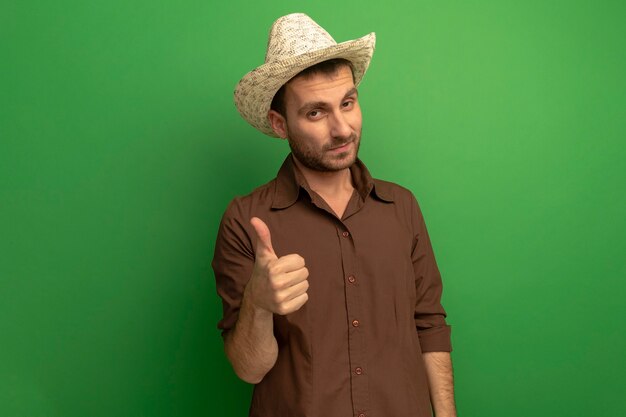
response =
{"points": [[327, 183]]}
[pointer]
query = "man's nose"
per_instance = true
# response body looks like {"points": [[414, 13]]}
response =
{"points": [[340, 128]]}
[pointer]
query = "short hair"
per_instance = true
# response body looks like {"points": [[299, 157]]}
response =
{"points": [[327, 67]]}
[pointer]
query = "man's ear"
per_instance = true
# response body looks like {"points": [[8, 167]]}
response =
{"points": [[278, 123]]}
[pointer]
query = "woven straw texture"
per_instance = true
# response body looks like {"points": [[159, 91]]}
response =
{"points": [[295, 42]]}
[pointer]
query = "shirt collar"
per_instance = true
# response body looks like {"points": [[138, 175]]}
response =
{"points": [[290, 180]]}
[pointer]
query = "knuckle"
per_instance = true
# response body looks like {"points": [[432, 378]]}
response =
{"points": [[273, 270], [295, 259], [277, 298], [274, 284]]}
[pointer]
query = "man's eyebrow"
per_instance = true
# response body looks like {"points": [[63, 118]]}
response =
{"points": [[351, 92], [311, 105], [321, 104]]}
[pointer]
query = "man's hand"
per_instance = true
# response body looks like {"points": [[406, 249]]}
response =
{"points": [[278, 285]]}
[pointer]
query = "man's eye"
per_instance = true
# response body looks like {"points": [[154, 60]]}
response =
{"points": [[347, 103], [314, 114]]}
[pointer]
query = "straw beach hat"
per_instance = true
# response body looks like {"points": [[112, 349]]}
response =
{"points": [[295, 43]]}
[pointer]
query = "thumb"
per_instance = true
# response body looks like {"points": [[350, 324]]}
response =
{"points": [[264, 238]]}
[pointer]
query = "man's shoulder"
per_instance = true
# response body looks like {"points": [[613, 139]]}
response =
{"points": [[259, 198], [392, 191]]}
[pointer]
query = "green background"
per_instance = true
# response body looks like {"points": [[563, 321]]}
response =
{"points": [[120, 147]]}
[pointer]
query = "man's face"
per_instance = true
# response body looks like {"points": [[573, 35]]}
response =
{"points": [[323, 120]]}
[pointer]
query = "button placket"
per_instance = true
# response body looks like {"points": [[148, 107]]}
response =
{"points": [[359, 383]]}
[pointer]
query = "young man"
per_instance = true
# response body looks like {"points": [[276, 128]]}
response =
{"points": [[330, 288]]}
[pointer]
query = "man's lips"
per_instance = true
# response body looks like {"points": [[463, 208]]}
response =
{"points": [[341, 147]]}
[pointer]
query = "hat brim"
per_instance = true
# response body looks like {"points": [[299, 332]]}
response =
{"points": [[254, 93]]}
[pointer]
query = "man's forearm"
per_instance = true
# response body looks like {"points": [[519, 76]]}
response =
{"points": [[440, 383], [251, 346]]}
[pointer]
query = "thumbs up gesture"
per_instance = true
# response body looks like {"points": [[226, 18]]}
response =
{"points": [[277, 285]]}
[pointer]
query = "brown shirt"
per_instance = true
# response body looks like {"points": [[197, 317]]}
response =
{"points": [[355, 347]]}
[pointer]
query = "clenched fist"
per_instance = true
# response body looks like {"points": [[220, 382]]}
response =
{"points": [[277, 285]]}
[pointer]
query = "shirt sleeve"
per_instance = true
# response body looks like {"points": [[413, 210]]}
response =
{"points": [[232, 263], [432, 329]]}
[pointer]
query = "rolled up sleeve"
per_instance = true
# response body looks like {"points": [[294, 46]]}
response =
{"points": [[232, 264], [433, 331]]}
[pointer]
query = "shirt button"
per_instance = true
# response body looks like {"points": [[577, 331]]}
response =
{"points": [[362, 415], [345, 234], [355, 323], [351, 279], [358, 371]]}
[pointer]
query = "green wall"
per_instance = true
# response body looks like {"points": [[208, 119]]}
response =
{"points": [[120, 147]]}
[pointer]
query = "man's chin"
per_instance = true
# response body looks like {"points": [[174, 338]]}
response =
{"points": [[342, 161]]}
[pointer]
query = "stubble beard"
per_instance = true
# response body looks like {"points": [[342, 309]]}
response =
{"points": [[323, 161]]}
